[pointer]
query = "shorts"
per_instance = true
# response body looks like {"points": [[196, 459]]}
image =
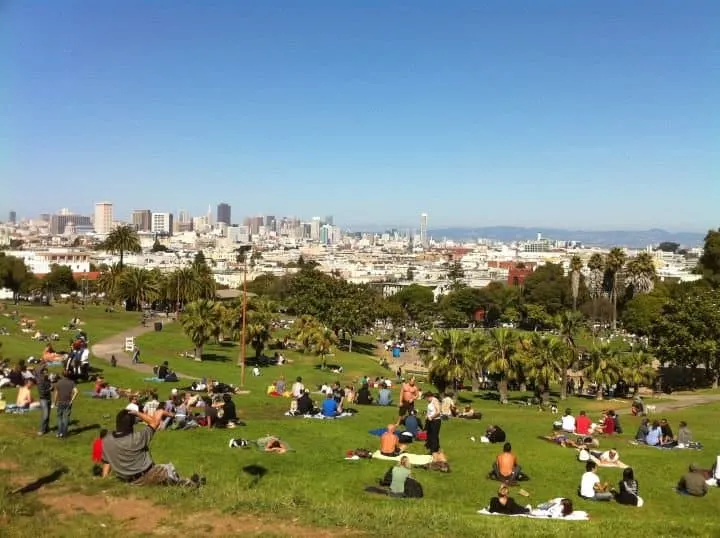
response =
{"points": [[405, 408], [159, 475]]}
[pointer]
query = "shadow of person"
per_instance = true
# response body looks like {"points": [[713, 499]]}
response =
{"points": [[40, 482], [257, 472]]}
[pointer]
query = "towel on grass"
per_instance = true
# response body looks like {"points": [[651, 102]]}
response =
{"points": [[415, 459], [577, 515]]}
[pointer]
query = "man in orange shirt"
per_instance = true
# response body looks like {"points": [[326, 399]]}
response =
{"points": [[389, 442], [506, 466]]}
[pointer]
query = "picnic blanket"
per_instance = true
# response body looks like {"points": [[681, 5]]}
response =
{"points": [[319, 416], [415, 459], [577, 515], [605, 465]]}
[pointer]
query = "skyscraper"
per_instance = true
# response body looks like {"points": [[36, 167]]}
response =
{"points": [[423, 230], [103, 217], [315, 228], [59, 222], [142, 220], [162, 223], [223, 213], [13, 217]]}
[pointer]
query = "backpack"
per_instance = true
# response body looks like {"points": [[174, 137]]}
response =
{"points": [[413, 489], [362, 453]]}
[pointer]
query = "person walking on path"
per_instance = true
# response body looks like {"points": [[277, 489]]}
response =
{"points": [[136, 355], [45, 397], [65, 394]]}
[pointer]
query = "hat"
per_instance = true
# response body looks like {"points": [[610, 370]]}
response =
{"points": [[174, 392]]}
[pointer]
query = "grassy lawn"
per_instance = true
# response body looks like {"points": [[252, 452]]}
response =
{"points": [[314, 485]]}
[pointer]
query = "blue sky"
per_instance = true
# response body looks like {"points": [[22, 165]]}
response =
{"points": [[592, 115]]}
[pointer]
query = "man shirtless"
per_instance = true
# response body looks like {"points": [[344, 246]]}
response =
{"points": [[408, 394]]}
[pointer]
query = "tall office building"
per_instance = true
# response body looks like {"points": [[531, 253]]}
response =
{"points": [[329, 220], [223, 213], [59, 222], [13, 217], [142, 220], [423, 230], [315, 228], [162, 223], [270, 223], [103, 217], [183, 216]]}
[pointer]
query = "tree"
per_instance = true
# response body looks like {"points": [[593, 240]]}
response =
{"points": [[60, 279], [641, 274], [637, 369], [417, 301], [686, 333], [458, 307], [568, 325], [545, 359], [199, 322], [536, 317], [603, 367], [456, 274], [446, 357], [614, 263], [159, 247], [643, 312], [14, 274], [121, 240], [548, 287], [596, 265], [709, 263], [138, 286], [576, 266], [499, 358], [668, 246], [109, 282], [322, 343]]}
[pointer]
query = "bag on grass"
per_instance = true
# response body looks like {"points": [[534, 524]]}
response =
{"points": [[362, 453]]}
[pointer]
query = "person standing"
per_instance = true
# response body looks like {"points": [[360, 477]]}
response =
{"points": [[65, 394], [136, 355], [432, 423], [45, 396]]}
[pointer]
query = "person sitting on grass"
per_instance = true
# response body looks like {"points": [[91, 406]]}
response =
{"points": [[97, 449], [469, 412], [329, 406], [506, 467], [305, 405], [684, 436], [693, 482], [567, 422], [363, 395], [389, 442], [608, 423], [590, 486], [642, 431], [226, 412], [667, 438], [494, 434], [24, 398], [583, 424], [384, 396], [127, 453], [504, 504], [412, 423], [447, 406], [627, 492], [654, 436], [402, 483]]}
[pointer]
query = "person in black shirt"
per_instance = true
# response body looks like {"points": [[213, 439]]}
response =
{"points": [[503, 504], [667, 439], [305, 404], [363, 395], [45, 394], [163, 370]]}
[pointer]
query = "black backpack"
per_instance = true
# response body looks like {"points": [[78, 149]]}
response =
{"points": [[413, 489]]}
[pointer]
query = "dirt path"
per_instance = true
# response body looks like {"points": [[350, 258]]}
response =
{"points": [[115, 345], [682, 401]]}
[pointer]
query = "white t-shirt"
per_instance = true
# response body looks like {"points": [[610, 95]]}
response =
{"points": [[297, 389], [432, 408], [133, 407], [587, 484], [568, 423], [85, 357], [605, 456]]}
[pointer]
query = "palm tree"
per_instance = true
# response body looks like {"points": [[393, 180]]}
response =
{"points": [[199, 321], [446, 356], [109, 282], [641, 273], [257, 335], [544, 359], [323, 341], [576, 266], [604, 367], [569, 325], [500, 358], [303, 330], [637, 369], [614, 263], [139, 286], [595, 280], [121, 240]]}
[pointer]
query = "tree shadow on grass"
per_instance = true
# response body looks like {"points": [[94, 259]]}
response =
{"points": [[364, 348], [257, 472], [214, 357], [40, 482]]}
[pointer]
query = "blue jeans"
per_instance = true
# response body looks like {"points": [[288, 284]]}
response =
{"points": [[45, 419], [63, 415]]}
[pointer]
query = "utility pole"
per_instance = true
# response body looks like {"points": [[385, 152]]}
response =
{"points": [[243, 253]]}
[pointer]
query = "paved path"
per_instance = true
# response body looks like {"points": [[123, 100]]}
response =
{"points": [[115, 345]]}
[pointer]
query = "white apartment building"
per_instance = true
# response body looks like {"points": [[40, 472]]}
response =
{"points": [[161, 223], [103, 222], [40, 262]]}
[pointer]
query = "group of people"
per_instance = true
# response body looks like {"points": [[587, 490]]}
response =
{"points": [[659, 433], [608, 424]]}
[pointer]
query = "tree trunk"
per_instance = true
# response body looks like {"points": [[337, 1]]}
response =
{"points": [[563, 385], [350, 341], [545, 396], [475, 381], [122, 255], [503, 390], [716, 378], [599, 395], [198, 353], [614, 304]]}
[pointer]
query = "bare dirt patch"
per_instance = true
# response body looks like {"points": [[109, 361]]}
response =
{"points": [[139, 516], [8, 465]]}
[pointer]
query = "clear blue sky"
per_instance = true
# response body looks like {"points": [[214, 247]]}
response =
{"points": [[593, 115]]}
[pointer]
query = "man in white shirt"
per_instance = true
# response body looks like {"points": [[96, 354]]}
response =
{"points": [[568, 422], [590, 486], [298, 388], [609, 456], [133, 405], [151, 406]]}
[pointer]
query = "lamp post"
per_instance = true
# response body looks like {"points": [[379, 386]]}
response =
{"points": [[243, 255]]}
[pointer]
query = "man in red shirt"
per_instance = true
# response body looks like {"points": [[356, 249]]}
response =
{"points": [[582, 424]]}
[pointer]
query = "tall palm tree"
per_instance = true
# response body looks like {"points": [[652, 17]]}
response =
{"points": [[603, 368], [614, 263], [637, 369], [499, 358], [199, 322], [109, 282], [641, 273], [323, 342], [569, 325], [139, 286], [257, 335], [303, 331], [596, 266], [121, 240], [446, 356], [576, 266]]}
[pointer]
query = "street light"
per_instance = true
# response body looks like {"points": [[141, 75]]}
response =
{"points": [[242, 255]]}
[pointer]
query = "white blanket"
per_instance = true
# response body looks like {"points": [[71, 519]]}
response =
{"points": [[577, 515], [415, 459]]}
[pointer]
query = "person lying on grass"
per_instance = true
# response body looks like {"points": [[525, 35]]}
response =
{"points": [[504, 504], [127, 453]]}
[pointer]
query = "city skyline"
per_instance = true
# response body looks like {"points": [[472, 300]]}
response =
{"points": [[557, 114]]}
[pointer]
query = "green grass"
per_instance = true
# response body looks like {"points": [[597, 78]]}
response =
{"points": [[317, 487]]}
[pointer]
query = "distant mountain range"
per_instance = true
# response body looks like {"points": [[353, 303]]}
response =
{"points": [[620, 238]]}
